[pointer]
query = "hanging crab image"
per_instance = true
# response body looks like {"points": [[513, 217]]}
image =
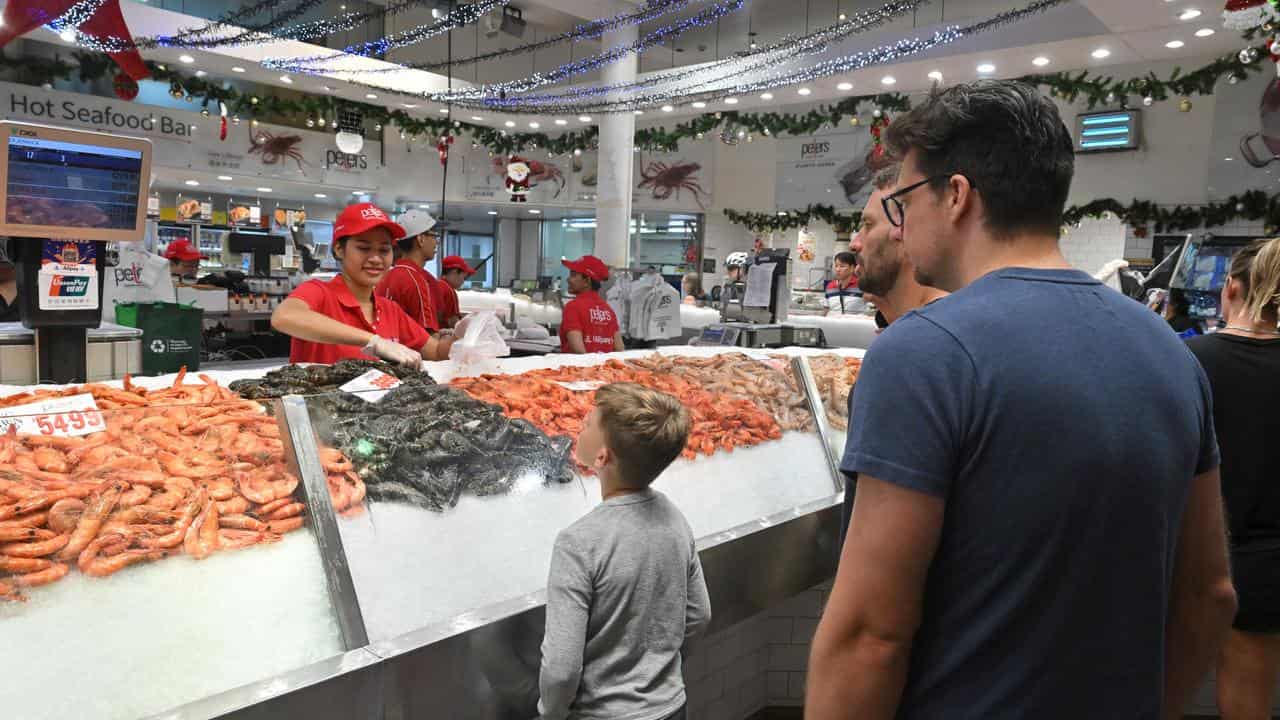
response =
{"points": [[539, 172], [1269, 120], [274, 148], [666, 180]]}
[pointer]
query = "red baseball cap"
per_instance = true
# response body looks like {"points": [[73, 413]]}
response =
{"points": [[181, 249], [355, 219], [455, 262], [590, 266]]}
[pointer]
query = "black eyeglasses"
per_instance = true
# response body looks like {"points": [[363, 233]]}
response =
{"points": [[893, 208]]}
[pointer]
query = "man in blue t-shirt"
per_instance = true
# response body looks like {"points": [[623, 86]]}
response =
{"points": [[1038, 529]]}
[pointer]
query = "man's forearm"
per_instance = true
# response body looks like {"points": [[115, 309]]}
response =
{"points": [[859, 676], [1196, 629]]}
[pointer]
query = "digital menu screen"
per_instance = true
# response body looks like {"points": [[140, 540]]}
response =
{"points": [[64, 184]]}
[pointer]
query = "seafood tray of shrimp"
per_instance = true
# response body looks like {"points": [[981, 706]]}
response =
{"points": [[541, 397], [769, 383], [835, 377], [188, 469]]}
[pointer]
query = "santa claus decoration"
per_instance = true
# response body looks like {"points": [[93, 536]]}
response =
{"points": [[518, 178], [1246, 14]]}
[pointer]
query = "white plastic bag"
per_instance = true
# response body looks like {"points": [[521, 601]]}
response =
{"points": [[481, 340]]}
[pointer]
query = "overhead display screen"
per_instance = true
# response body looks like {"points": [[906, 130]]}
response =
{"points": [[64, 184]]}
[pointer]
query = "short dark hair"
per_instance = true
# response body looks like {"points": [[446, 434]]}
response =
{"points": [[887, 177], [1006, 138], [595, 284], [846, 258], [645, 428]]}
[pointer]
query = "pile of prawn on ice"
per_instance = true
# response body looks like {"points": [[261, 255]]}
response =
{"points": [[187, 469]]}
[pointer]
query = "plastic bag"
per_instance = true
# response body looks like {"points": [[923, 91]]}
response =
{"points": [[481, 340]]}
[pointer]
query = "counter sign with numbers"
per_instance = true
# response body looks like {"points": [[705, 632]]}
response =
{"points": [[63, 417]]}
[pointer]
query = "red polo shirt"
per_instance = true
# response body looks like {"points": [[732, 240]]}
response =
{"points": [[411, 287], [334, 299], [446, 301], [590, 315]]}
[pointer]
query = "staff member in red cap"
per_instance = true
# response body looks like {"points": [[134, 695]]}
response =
{"points": [[588, 324], [408, 283], [342, 318], [453, 272], [183, 257]]}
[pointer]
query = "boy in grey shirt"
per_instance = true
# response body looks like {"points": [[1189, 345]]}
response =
{"points": [[625, 594]]}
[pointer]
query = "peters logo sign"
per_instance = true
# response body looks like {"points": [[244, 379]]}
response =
{"points": [[599, 315], [814, 149]]}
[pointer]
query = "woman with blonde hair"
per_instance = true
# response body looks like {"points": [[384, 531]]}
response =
{"points": [[1242, 362]]}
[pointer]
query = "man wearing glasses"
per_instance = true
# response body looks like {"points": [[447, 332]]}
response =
{"points": [[1038, 528]]}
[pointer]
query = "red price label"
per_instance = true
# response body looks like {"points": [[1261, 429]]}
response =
{"points": [[385, 382]]}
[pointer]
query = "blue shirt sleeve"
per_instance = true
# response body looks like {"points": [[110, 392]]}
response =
{"points": [[911, 408]]}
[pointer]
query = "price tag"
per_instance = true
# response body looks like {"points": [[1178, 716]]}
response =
{"points": [[371, 386], [582, 385], [61, 417]]}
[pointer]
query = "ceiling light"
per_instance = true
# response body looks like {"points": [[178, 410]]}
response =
{"points": [[561, 121], [1101, 53], [476, 118], [225, 178], [286, 79], [888, 80], [667, 108], [237, 69], [1189, 14], [186, 59], [409, 105], [510, 123], [356, 192], [804, 91], [1174, 44], [842, 17], [936, 76], [424, 206], [443, 111], [68, 35], [1040, 61], [1228, 159], [493, 212], [370, 96], [1204, 32], [535, 212], [731, 101], [193, 183], [435, 13], [264, 189], [845, 86], [986, 68], [637, 112], [699, 104], [535, 125], [201, 73], [584, 118], [321, 196], [763, 96], [326, 88]]}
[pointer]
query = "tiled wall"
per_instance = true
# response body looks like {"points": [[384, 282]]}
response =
{"points": [[790, 632], [1094, 244]]}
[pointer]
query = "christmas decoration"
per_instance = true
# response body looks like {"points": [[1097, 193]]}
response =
{"points": [[1249, 55], [125, 87], [517, 181], [1245, 14], [442, 147], [222, 122], [100, 19], [1148, 101], [789, 219], [1184, 105]]}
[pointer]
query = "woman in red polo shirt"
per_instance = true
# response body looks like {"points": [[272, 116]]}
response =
{"points": [[588, 324], [341, 318]]}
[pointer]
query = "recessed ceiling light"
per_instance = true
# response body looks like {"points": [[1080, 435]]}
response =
{"points": [[1174, 44], [321, 195], [803, 91], [699, 104], [1189, 14], [409, 105], [201, 73], [1101, 53], [356, 192], [476, 118], [535, 125], [370, 96], [888, 80], [667, 108], [424, 206], [326, 88], [986, 68], [225, 178], [584, 118], [443, 111], [844, 86], [68, 35], [842, 17], [535, 212], [1040, 61], [435, 13], [510, 123], [731, 101], [493, 212], [1228, 159], [264, 189], [637, 112], [763, 96], [1204, 32], [186, 59], [936, 76], [286, 79], [561, 121], [237, 69], [193, 183]]}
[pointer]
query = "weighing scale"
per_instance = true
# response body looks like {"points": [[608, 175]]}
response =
{"points": [[63, 194], [755, 317]]}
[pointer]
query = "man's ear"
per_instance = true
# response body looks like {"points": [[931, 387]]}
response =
{"points": [[604, 457]]}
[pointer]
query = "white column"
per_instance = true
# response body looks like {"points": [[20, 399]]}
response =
{"points": [[616, 158]]}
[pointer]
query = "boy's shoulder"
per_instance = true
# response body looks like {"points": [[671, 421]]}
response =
{"points": [[603, 520]]}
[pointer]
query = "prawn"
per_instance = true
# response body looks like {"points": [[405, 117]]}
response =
{"points": [[23, 565], [136, 495], [179, 532], [36, 549], [50, 460], [33, 520], [11, 533], [232, 539], [95, 513], [286, 525], [241, 522], [234, 506], [334, 461], [92, 562], [202, 537], [201, 471], [286, 511], [54, 573]]}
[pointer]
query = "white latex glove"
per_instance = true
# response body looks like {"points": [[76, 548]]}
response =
{"points": [[461, 328], [393, 352]]}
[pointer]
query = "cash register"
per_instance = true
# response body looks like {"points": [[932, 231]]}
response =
{"points": [[754, 313], [64, 194]]}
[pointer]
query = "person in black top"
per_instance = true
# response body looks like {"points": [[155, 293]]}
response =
{"points": [[8, 285], [1177, 312], [1242, 362]]}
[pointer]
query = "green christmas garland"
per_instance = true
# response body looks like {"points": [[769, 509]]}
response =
{"points": [[790, 219]]}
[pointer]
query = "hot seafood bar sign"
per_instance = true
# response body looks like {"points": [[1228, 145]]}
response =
{"points": [[189, 140]]}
